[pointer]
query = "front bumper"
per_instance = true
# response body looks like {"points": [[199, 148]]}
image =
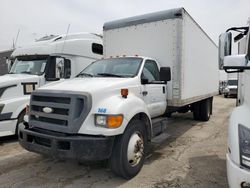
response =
{"points": [[230, 92], [62, 146], [236, 176]]}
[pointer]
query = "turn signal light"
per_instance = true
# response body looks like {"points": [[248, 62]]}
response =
{"points": [[114, 121], [124, 93]]}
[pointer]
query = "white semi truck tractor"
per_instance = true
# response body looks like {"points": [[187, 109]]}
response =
{"points": [[238, 155], [153, 65], [47, 60]]}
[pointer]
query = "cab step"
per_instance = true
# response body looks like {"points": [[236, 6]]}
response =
{"points": [[159, 125]]}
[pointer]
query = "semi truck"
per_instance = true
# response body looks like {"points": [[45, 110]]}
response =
{"points": [[153, 66], [47, 60], [238, 153]]}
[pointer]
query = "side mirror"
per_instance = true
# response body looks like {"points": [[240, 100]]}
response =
{"points": [[236, 63], [9, 64], [225, 46], [144, 81], [59, 67], [165, 74]]}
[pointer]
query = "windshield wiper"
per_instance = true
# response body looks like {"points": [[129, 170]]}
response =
{"points": [[85, 74], [25, 72], [109, 75]]}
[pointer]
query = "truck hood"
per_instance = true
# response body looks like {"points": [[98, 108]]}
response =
{"points": [[14, 82], [90, 85]]}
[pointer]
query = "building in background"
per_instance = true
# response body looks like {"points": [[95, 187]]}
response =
{"points": [[3, 65]]}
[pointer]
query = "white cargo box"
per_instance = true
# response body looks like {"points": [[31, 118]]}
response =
{"points": [[175, 40]]}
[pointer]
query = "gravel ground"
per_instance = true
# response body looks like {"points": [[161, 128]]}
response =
{"points": [[193, 155]]}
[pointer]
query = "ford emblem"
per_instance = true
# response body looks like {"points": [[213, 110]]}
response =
{"points": [[47, 110]]}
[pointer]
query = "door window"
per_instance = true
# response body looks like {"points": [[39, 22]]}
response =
{"points": [[151, 71]]}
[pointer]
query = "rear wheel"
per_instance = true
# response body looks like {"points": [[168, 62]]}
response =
{"points": [[205, 109], [202, 109], [129, 150], [196, 110]]}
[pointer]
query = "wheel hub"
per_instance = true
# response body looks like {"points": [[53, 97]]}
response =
{"points": [[135, 149]]}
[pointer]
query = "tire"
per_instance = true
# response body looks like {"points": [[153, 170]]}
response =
{"points": [[135, 136], [20, 119], [202, 110], [225, 95], [196, 111], [205, 109]]}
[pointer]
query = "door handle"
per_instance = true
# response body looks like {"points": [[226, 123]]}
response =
{"points": [[144, 93]]}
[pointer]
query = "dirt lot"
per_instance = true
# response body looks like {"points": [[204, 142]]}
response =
{"points": [[192, 156]]}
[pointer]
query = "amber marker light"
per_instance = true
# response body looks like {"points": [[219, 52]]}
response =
{"points": [[124, 93], [114, 121]]}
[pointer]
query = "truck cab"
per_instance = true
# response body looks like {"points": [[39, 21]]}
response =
{"points": [[105, 108], [47, 60], [238, 155]]}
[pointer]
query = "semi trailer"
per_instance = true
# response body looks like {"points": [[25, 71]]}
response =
{"points": [[154, 65], [47, 60]]}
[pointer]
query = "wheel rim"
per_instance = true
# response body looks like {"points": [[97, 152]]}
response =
{"points": [[135, 149]]}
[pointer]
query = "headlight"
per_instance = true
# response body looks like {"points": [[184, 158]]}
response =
{"points": [[1, 107], [108, 121], [244, 140]]}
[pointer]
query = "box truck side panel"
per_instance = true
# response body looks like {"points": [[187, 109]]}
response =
{"points": [[200, 67], [156, 40]]}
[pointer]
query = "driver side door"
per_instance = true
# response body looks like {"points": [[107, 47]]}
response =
{"points": [[153, 91]]}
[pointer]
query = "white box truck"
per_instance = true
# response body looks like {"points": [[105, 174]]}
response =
{"points": [[238, 154], [49, 59], [119, 103]]}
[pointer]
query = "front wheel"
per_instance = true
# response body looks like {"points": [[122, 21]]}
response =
{"points": [[20, 120], [129, 150]]}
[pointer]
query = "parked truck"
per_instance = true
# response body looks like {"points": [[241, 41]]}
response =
{"points": [[238, 154], [222, 81], [153, 66], [47, 60], [231, 86]]}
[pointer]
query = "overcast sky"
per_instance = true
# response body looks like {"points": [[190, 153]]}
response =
{"points": [[37, 18]]}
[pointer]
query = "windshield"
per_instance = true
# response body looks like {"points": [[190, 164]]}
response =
{"points": [[118, 67], [233, 82], [34, 67]]}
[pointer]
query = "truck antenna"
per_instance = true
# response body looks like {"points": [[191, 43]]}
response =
{"points": [[65, 37]]}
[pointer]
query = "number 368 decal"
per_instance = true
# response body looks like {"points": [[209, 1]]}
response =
{"points": [[102, 110]]}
